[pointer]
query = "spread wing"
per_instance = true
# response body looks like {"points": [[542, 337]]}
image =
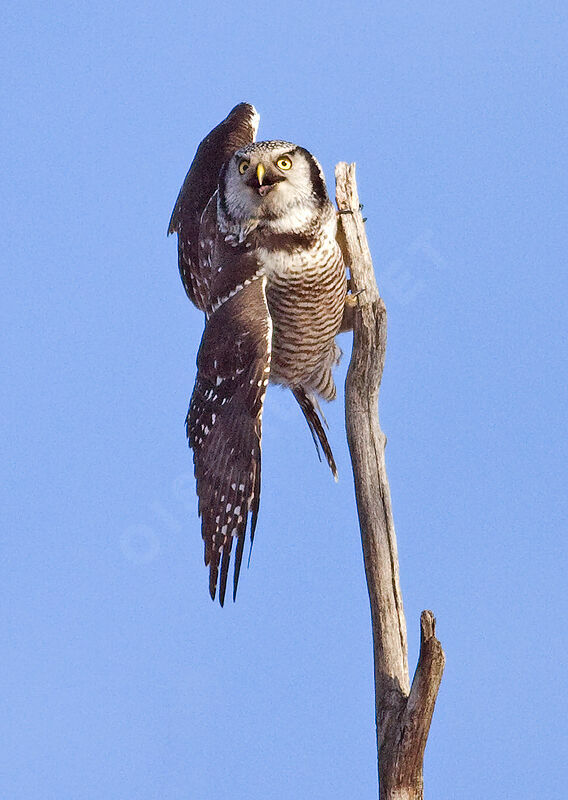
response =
{"points": [[225, 415], [237, 129]]}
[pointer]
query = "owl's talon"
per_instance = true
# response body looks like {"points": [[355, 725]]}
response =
{"points": [[351, 303], [352, 299]]}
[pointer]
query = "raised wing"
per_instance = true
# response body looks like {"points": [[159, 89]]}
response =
{"points": [[225, 417], [237, 129]]}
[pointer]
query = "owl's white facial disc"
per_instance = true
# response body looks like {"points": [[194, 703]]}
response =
{"points": [[274, 185]]}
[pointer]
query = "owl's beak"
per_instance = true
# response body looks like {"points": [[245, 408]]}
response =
{"points": [[262, 180]]}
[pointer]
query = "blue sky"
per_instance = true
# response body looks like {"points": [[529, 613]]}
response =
{"points": [[120, 678]]}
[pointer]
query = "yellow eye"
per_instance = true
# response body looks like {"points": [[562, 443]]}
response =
{"points": [[243, 166], [284, 163]]}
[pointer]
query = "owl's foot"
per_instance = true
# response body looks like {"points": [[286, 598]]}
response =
{"points": [[352, 299], [351, 303]]}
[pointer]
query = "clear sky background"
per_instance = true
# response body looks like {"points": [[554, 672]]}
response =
{"points": [[119, 676]]}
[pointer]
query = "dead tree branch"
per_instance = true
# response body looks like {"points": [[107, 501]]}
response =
{"points": [[403, 714]]}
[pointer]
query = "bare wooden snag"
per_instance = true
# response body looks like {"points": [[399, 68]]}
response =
{"points": [[403, 713]]}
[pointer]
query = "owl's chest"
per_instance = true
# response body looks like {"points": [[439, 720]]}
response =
{"points": [[296, 266], [305, 288]]}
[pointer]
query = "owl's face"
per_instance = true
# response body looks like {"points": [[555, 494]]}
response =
{"points": [[277, 184]]}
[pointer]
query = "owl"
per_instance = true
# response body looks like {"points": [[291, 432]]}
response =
{"points": [[257, 253]]}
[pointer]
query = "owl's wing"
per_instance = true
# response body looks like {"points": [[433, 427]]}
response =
{"points": [[225, 415], [237, 130]]}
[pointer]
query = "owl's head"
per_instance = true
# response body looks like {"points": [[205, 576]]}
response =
{"points": [[275, 184]]}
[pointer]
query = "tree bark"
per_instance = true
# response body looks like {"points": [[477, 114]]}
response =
{"points": [[403, 713]]}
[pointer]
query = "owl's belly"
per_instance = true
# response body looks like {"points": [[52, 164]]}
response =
{"points": [[306, 299]]}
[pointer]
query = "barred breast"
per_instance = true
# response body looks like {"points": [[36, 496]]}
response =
{"points": [[306, 296]]}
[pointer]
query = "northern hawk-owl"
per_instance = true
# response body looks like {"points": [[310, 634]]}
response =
{"points": [[258, 254]]}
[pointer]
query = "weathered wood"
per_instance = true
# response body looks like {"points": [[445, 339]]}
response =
{"points": [[403, 714]]}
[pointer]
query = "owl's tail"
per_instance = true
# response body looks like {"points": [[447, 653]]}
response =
{"points": [[310, 412]]}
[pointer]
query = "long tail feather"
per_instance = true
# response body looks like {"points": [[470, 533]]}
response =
{"points": [[310, 412]]}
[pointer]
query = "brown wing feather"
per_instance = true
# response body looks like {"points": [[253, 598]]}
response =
{"points": [[205, 266], [236, 130], [224, 425]]}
